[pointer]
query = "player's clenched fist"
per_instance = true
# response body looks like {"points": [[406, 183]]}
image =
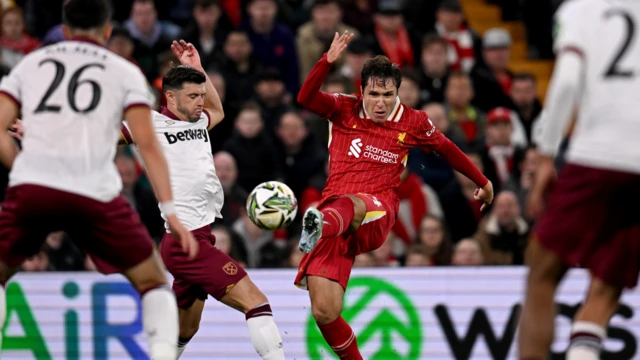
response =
{"points": [[338, 45]]}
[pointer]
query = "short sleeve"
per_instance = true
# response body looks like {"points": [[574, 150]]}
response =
{"points": [[136, 89], [11, 85], [567, 28]]}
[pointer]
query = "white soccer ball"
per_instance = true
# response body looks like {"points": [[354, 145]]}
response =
{"points": [[272, 205]]}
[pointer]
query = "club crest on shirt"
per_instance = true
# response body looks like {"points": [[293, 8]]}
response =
{"points": [[401, 137], [230, 268], [170, 122]]}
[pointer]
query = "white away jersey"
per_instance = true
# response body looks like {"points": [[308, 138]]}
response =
{"points": [[197, 192], [72, 96], [605, 34]]}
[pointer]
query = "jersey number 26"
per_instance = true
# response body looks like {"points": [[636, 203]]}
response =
{"points": [[74, 84]]}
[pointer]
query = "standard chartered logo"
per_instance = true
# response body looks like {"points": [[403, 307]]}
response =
{"points": [[393, 327], [355, 148]]}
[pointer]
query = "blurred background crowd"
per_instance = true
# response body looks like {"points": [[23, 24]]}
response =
{"points": [[479, 68]]}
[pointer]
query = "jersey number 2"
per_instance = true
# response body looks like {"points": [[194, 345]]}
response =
{"points": [[614, 70], [74, 84]]}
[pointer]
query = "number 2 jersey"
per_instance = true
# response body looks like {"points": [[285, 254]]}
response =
{"points": [[72, 96], [604, 33]]}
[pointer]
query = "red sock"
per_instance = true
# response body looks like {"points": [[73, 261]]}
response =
{"points": [[337, 217], [341, 338]]}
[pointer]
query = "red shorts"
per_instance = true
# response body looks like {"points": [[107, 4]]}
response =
{"points": [[212, 272], [111, 233], [332, 258], [592, 222]]}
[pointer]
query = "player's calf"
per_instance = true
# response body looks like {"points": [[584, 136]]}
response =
{"points": [[189, 323], [326, 307], [265, 336], [159, 307], [590, 324]]}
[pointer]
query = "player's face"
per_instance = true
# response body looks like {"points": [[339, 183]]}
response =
{"points": [[190, 101], [379, 98]]}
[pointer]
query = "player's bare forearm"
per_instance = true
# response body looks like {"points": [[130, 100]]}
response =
{"points": [[8, 115], [212, 102], [8, 150], [460, 162], [310, 96], [139, 120]]}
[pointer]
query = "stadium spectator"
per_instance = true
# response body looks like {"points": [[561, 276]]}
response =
{"points": [[461, 113], [121, 43], [461, 212], [314, 37], [300, 153], [235, 197], [393, 37], [434, 68], [62, 254], [16, 42], [252, 149], [491, 78], [409, 91], [273, 42], [140, 198], [383, 256], [499, 150], [258, 246], [464, 43], [417, 256], [271, 96], [467, 252], [205, 32], [525, 98], [359, 14], [524, 174], [502, 235], [435, 237], [151, 38]]}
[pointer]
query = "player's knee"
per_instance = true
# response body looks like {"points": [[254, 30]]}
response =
{"points": [[189, 329], [359, 210], [325, 312], [544, 266]]}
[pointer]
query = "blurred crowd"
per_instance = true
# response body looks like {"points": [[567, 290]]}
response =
{"points": [[258, 53]]}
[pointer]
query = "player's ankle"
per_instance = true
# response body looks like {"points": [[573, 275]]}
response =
{"points": [[586, 341]]}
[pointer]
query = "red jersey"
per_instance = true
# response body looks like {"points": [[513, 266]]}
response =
{"points": [[368, 157]]}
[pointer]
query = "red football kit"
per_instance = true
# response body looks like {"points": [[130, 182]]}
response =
{"points": [[366, 159]]}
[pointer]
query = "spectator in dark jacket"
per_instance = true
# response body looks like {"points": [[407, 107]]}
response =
{"points": [[273, 43], [253, 149]]}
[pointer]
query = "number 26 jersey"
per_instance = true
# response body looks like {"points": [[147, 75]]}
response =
{"points": [[72, 96]]}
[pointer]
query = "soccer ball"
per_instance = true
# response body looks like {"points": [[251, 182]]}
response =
{"points": [[272, 205]]}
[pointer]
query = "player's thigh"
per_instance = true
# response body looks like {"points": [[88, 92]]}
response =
{"points": [[148, 274], [544, 265], [244, 296], [113, 234], [375, 227], [190, 318], [326, 298], [212, 270], [29, 213]]}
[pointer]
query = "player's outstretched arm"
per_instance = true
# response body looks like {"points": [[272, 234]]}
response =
{"points": [[8, 115], [141, 127], [310, 95], [188, 55]]}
